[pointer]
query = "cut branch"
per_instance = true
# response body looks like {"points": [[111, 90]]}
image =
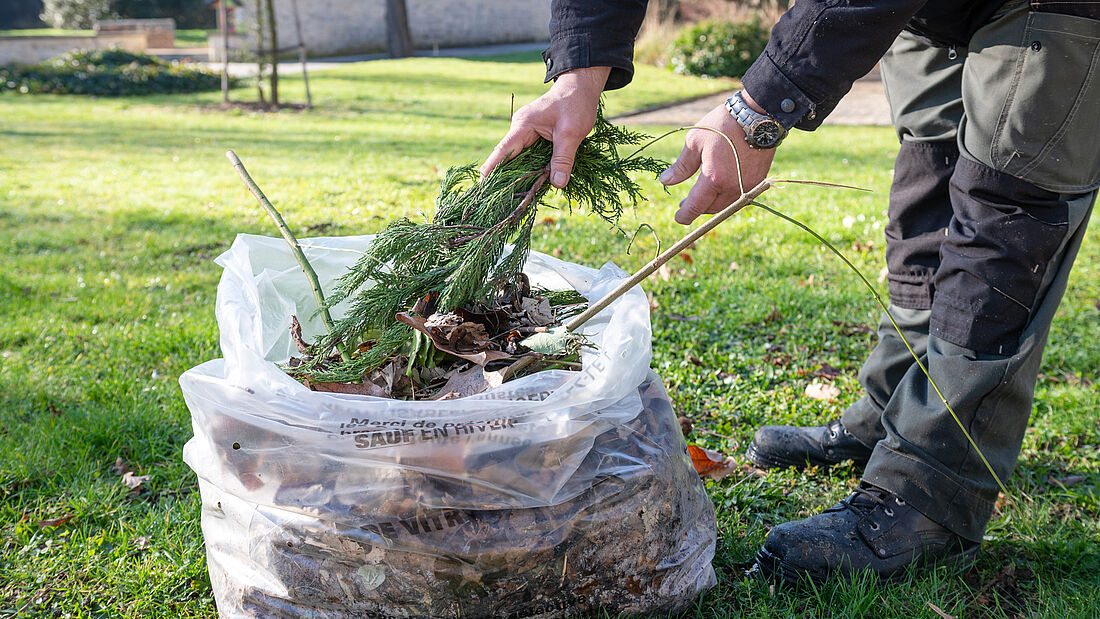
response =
{"points": [[292, 241]]}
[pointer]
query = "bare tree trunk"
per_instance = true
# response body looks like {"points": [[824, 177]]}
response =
{"points": [[223, 26], [273, 35], [398, 37], [302, 53], [261, 59]]}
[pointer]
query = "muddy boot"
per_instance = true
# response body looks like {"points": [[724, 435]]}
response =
{"points": [[871, 530], [792, 446]]}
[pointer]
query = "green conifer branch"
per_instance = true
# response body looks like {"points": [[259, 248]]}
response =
{"points": [[474, 247]]}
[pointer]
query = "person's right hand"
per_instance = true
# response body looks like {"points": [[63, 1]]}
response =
{"points": [[724, 173], [564, 115]]}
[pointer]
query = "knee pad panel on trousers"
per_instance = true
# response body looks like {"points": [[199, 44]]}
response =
{"points": [[920, 209], [1003, 237]]}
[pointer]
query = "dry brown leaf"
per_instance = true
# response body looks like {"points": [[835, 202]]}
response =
{"points": [[1066, 482], [470, 382], [936, 609], [826, 371], [537, 311], [296, 334], [685, 425], [363, 388], [55, 522], [133, 482], [822, 391], [710, 463], [120, 467], [441, 342]]}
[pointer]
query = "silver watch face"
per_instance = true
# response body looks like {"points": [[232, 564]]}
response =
{"points": [[767, 134]]}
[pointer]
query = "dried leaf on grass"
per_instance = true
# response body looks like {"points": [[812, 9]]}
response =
{"points": [[133, 482], [822, 391], [120, 467], [936, 609], [55, 522], [826, 371], [710, 463]]}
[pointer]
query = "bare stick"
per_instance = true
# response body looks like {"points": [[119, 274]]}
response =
{"points": [[296, 249], [667, 255]]}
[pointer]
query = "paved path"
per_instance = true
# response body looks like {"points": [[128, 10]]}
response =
{"points": [[248, 69], [865, 104]]}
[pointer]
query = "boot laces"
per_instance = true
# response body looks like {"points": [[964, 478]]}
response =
{"points": [[864, 500]]}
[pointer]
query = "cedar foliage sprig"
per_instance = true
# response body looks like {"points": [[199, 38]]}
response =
{"points": [[463, 255]]}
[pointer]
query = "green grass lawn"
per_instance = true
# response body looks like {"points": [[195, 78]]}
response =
{"points": [[46, 32], [112, 210]]}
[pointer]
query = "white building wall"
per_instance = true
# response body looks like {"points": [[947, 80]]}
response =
{"points": [[332, 27]]}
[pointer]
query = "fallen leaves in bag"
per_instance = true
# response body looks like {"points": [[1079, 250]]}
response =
{"points": [[437, 541], [710, 463], [468, 351]]}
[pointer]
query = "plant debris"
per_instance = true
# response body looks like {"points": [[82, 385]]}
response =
{"points": [[459, 353], [633, 541], [435, 297]]}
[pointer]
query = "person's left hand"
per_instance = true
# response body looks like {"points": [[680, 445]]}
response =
{"points": [[719, 184]]}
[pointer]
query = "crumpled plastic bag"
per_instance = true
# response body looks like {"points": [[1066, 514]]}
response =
{"points": [[556, 494]]}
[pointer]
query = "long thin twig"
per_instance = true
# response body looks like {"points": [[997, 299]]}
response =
{"points": [[913, 353], [295, 248], [667, 255]]}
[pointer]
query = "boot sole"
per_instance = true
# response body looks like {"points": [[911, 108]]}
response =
{"points": [[771, 567], [767, 461]]}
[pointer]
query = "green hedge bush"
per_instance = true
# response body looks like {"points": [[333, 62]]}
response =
{"points": [[106, 73], [718, 48]]}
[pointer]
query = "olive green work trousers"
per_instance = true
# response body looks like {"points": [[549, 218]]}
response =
{"points": [[994, 182]]}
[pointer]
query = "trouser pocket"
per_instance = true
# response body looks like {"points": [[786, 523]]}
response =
{"points": [[1030, 87]]}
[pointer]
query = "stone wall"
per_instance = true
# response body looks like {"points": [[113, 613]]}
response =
{"points": [[332, 27], [161, 33], [31, 50]]}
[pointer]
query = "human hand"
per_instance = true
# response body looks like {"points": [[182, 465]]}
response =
{"points": [[564, 115], [708, 153]]}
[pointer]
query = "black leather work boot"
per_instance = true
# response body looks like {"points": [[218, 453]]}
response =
{"points": [[871, 530], [776, 447]]}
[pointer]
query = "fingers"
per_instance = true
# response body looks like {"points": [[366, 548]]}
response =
{"points": [[567, 139], [705, 197], [684, 167], [510, 145]]}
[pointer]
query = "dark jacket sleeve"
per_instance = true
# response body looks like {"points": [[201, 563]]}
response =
{"points": [[594, 33], [817, 49]]}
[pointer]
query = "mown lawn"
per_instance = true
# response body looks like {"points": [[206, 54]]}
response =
{"points": [[113, 209]]}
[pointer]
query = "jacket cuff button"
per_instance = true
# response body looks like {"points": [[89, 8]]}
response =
{"points": [[787, 105]]}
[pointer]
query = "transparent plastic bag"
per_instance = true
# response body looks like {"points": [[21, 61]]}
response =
{"points": [[556, 494]]}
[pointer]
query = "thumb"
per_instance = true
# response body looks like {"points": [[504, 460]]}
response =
{"points": [[561, 163], [685, 166]]}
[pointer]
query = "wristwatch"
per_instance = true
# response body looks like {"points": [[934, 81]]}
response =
{"points": [[761, 130]]}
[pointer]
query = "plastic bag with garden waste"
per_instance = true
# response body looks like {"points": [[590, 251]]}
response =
{"points": [[556, 494]]}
